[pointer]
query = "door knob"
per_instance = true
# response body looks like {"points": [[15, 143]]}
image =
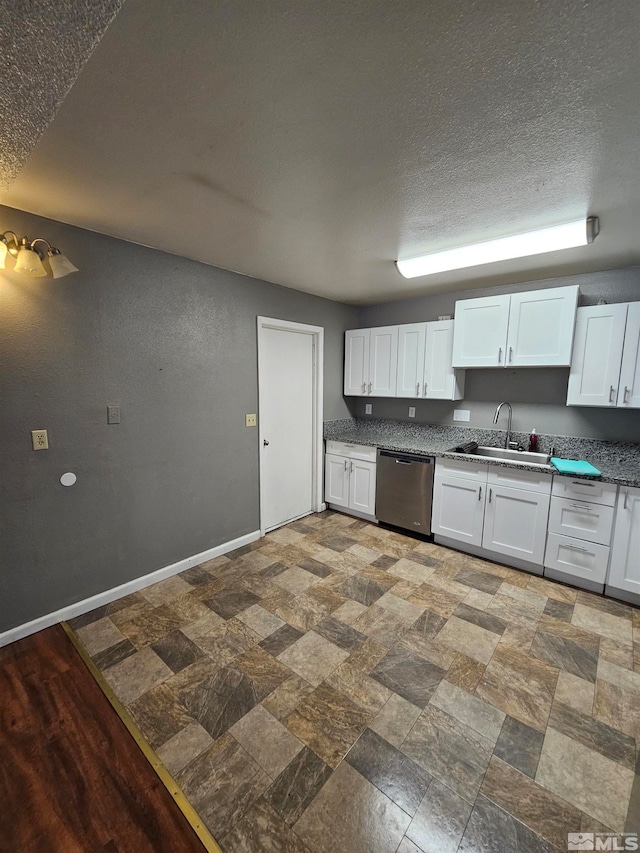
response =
{"points": [[265, 442]]}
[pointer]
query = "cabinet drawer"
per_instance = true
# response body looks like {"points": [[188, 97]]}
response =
{"points": [[590, 490], [516, 478], [352, 451], [577, 557], [460, 468], [581, 519]]}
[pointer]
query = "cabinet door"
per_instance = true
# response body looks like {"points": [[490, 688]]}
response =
{"points": [[624, 571], [458, 509], [356, 362], [362, 486], [480, 332], [383, 361], [515, 523], [441, 381], [629, 391], [541, 324], [336, 479], [411, 341], [597, 354]]}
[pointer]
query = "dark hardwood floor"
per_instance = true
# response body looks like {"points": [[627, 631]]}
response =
{"points": [[71, 777]]}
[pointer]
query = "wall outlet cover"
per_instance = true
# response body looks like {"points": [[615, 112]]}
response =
{"points": [[368, 408], [461, 415], [39, 439], [445, 317], [250, 420], [113, 414], [412, 411]]}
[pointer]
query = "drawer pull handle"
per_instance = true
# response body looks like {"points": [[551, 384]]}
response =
{"points": [[424, 392], [611, 390], [490, 494], [346, 464], [510, 354], [577, 548], [581, 506], [480, 493], [624, 396], [626, 498], [418, 389], [582, 483], [370, 384], [364, 387], [500, 355]]}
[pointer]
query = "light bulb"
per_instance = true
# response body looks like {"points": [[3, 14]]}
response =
{"points": [[29, 262], [60, 264]]}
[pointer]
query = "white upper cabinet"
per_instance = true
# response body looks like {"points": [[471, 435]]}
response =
{"points": [[370, 362], [480, 334], [605, 370], [441, 381], [532, 329], [356, 362], [424, 362], [541, 325], [411, 344], [383, 361], [629, 389]]}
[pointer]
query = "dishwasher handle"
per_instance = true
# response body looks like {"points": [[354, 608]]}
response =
{"points": [[406, 458]]}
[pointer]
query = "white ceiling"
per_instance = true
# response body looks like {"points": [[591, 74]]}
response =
{"points": [[311, 144]]}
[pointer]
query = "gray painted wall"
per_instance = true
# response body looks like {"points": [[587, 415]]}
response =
{"points": [[173, 342], [538, 395]]}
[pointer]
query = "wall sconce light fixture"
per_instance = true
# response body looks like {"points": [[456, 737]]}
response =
{"points": [[29, 260]]}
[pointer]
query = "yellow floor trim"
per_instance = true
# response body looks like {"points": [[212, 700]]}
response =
{"points": [[163, 774]]}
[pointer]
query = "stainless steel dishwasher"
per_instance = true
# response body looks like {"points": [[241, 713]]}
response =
{"points": [[404, 490]]}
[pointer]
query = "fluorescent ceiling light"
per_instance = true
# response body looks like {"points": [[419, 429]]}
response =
{"points": [[566, 236]]}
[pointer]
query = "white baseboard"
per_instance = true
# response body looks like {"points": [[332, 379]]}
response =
{"points": [[115, 592]]}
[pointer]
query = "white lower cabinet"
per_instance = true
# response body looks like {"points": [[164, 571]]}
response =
{"points": [[458, 508], [350, 477], [577, 558], [580, 522], [496, 511], [624, 571], [515, 523]]}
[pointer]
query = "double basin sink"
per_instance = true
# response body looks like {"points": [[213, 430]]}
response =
{"points": [[515, 457]]}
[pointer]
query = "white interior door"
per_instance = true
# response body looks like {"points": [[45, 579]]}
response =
{"points": [[288, 424]]}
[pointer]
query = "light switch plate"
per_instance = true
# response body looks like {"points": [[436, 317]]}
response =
{"points": [[113, 414], [461, 415], [39, 439], [412, 411], [368, 408], [250, 420]]}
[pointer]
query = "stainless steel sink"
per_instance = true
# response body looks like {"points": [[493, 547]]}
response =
{"points": [[514, 457]]}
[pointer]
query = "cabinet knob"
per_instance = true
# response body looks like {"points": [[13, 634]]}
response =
{"points": [[265, 442]]}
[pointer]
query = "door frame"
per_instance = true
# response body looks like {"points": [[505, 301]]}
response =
{"points": [[317, 333]]}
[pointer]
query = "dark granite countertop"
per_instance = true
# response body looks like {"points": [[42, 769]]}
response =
{"points": [[619, 462]]}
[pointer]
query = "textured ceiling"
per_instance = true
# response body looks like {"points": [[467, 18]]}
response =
{"points": [[43, 46], [311, 144]]}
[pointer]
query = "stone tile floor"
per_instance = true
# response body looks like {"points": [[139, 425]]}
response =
{"points": [[340, 687]]}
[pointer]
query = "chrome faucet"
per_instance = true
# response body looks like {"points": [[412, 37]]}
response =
{"points": [[507, 441]]}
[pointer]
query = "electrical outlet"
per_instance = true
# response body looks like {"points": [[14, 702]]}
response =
{"points": [[250, 420], [113, 414], [412, 411], [39, 439], [461, 415], [368, 408]]}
